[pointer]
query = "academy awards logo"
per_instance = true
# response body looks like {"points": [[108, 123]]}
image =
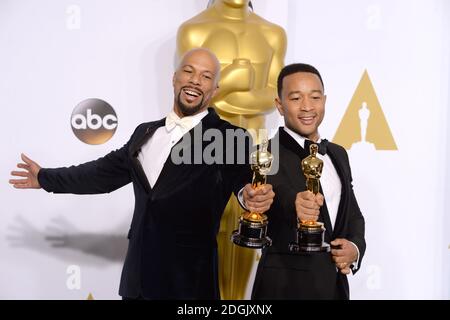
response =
{"points": [[93, 121], [364, 125]]}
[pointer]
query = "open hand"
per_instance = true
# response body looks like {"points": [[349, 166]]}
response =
{"points": [[30, 180]]}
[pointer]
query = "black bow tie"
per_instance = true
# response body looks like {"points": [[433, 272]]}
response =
{"points": [[322, 145]]}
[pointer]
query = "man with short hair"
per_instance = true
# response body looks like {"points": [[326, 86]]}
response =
{"points": [[283, 274]]}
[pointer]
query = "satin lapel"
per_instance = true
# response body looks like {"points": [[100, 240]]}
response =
{"points": [[135, 148], [340, 170], [170, 178], [288, 142]]}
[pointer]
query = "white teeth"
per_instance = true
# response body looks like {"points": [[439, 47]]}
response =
{"points": [[191, 93]]}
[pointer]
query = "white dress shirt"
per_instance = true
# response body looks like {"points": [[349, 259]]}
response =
{"points": [[156, 150], [330, 182]]}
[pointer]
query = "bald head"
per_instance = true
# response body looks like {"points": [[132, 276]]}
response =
{"points": [[206, 57], [195, 81]]}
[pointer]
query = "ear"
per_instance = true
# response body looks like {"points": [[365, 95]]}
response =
{"points": [[173, 78], [324, 99], [279, 106]]}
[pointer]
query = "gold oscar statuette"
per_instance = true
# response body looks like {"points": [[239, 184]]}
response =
{"points": [[310, 234], [252, 232]]}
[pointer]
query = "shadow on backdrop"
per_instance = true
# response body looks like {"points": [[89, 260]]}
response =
{"points": [[62, 240]]}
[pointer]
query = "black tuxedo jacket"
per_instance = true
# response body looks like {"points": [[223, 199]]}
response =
{"points": [[172, 252], [285, 275]]}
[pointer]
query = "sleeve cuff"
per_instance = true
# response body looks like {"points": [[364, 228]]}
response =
{"points": [[42, 180], [355, 265], [240, 198]]}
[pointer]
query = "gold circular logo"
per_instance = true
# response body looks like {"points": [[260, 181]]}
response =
{"points": [[94, 121]]}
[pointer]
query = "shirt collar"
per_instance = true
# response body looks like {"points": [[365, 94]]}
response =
{"points": [[195, 119], [298, 138]]}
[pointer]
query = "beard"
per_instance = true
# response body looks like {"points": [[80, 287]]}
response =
{"points": [[186, 110]]}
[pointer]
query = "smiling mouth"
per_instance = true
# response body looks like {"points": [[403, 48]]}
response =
{"points": [[194, 93], [307, 120]]}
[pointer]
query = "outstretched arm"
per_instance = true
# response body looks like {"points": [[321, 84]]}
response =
{"points": [[100, 176]]}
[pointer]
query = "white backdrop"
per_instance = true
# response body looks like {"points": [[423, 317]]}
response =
{"points": [[54, 54]]}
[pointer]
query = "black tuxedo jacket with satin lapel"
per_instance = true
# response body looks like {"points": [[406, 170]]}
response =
{"points": [[285, 275], [172, 252]]}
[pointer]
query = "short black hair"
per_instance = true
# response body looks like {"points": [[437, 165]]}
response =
{"points": [[294, 68]]}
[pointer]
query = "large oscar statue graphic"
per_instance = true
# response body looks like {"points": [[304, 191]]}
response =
{"points": [[310, 234], [251, 51], [252, 232]]}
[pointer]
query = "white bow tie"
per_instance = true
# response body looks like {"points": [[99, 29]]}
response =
{"points": [[172, 120]]}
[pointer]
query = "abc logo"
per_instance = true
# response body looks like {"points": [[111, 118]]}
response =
{"points": [[94, 121]]}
